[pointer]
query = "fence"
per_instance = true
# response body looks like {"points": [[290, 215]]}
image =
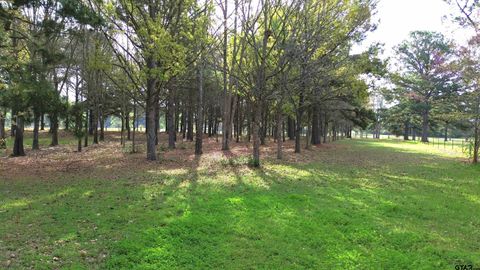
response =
{"points": [[463, 145]]}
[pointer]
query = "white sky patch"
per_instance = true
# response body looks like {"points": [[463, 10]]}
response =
{"points": [[397, 18]]}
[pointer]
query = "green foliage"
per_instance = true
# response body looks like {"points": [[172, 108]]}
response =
{"points": [[425, 74], [73, 9]]}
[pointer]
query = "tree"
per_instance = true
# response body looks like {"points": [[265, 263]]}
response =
{"points": [[470, 100], [154, 29], [470, 66], [424, 72]]}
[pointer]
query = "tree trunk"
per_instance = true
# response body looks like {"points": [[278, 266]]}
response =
{"points": [[199, 127], [87, 120], [12, 125], [36, 120], [249, 125], [446, 132], [263, 127], [425, 126], [325, 127], [298, 130], [189, 124], [42, 122], [183, 125], [157, 120], [122, 129], [95, 127], [54, 128], [210, 124], [3, 117], [309, 131], [101, 116], [171, 122], [127, 125], [78, 128], [150, 110], [406, 129], [316, 125], [238, 127], [257, 116], [279, 133], [226, 94], [134, 126], [18, 149], [476, 144], [91, 125]]}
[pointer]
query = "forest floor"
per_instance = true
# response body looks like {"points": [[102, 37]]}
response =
{"points": [[351, 204]]}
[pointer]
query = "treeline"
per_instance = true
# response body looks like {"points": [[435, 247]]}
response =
{"points": [[250, 68], [433, 84]]}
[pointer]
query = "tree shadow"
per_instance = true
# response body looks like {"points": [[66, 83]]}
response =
{"points": [[324, 214]]}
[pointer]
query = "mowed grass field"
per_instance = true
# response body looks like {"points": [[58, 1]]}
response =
{"points": [[358, 204]]}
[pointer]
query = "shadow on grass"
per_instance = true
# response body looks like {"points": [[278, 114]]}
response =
{"points": [[400, 214]]}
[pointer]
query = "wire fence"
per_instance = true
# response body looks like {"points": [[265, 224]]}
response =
{"points": [[461, 145]]}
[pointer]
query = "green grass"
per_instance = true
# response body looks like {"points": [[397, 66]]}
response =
{"points": [[44, 140], [363, 205]]}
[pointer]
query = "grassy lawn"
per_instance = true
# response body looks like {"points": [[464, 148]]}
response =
{"points": [[362, 204]]}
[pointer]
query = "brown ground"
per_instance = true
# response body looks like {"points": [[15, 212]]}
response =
{"points": [[111, 160]]}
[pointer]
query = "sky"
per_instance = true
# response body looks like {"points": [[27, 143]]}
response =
{"points": [[397, 18]]}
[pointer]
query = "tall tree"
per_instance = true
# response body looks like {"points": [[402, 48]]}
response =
{"points": [[424, 72]]}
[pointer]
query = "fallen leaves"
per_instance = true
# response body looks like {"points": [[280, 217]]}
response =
{"points": [[112, 162]]}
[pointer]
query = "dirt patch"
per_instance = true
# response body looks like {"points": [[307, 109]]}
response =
{"points": [[110, 160]]}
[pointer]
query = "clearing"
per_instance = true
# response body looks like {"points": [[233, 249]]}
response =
{"points": [[352, 204]]}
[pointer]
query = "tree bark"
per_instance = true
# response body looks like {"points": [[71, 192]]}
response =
{"points": [[12, 125], [189, 123], [157, 120], [199, 127], [308, 133], [291, 128], [95, 127], [3, 116], [476, 144], [279, 133], [226, 94], [42, 122], [134, 126], [127, 125], [171, 122], [87, 120], [316, 125], [36, 120], [79, 127], [446, 132], [91, 125], [101, 116], [406, 129], [298, 130], [425, 116], [150, 110], [54, 129], [325, 127], [18, 149], [257, 116], [183, 125], [263, 126]]}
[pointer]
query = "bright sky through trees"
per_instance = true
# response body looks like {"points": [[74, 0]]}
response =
{"points": [[397, 18]]}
